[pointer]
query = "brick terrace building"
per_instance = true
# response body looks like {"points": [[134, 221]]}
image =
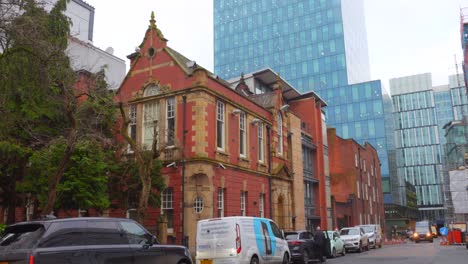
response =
{"points": [[238, 156], [356, 182]]}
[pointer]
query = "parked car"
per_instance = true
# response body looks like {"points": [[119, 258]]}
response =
{"points": [[422, 232], [336, 244], [240, 239], [354, 238], [86, 240], [374, 233], [301, 245]]}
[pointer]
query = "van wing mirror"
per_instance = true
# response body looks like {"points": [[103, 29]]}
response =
{"points": [[282, 234]]}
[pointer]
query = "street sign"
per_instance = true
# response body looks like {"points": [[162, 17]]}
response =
{"points": [[443, 231]]}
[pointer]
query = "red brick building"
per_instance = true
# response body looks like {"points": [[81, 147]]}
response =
{"points": [[227, 151], [356, 182]]}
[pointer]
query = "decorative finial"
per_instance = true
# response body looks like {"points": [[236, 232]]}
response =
{"points": [[152, 21]]}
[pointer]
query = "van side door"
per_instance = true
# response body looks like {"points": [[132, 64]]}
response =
{"points": [[281, 243]]}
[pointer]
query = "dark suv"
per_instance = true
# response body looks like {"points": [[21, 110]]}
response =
{"points": [[86, 240]]}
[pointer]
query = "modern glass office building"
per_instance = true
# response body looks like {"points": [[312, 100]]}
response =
{"points": [[419, 153], [458, 97], [318, 45], [444, 109]]}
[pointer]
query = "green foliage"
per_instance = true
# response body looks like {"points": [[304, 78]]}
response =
{"points": [[84, 183], [126, 183], [32, 64]]}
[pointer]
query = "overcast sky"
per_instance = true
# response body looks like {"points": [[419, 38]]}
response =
{"points": [[405, 37]]}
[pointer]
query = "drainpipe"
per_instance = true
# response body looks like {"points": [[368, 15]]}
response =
{"points": [[269, 167], [184, 104]]}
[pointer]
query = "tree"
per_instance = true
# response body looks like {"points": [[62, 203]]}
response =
{"points": [[147, 166], [43, 98], [84, 182]]}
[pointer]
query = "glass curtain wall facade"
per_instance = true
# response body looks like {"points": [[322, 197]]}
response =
{"points": [[443, 102], [458, 97], [318, 45], [417, 142]]}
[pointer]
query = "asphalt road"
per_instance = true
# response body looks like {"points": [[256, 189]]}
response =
{"points": [[409, 253]]}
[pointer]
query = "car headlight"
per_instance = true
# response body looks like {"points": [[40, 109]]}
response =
{"points": [[415, 234], [428, 234]]}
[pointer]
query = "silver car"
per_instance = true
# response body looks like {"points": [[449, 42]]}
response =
{"points": [[354, 238]]}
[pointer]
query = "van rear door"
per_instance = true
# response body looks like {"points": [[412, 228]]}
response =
{"points": [[218, 238]]}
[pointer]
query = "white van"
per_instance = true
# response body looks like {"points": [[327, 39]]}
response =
{"points": [[240, 239]]}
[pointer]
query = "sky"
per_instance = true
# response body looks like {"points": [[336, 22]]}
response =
{"points": [[405, 37]]}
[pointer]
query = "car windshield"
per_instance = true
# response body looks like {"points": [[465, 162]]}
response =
{"points": [[20, 237], [290, 235], [368, 229], [352, 232]]}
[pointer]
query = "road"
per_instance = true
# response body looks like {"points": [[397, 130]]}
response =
{"points": [[409, 253]]}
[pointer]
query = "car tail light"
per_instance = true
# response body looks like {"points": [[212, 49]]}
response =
{"points": [[238, 239], [295, 242], [31, 259]]}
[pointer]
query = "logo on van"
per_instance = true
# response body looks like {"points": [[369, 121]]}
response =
{"points": [[264, 237]]}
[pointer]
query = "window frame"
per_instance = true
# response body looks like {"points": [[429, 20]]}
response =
{"points": [[261, 205], [198, 204], [261, 143], [220, 196], [243, 135], [147, 121], [170, 121], [220, 125], [243, 202], [280, 133]]}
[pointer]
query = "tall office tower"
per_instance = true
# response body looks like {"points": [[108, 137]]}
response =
{"points": [[419, 153], [444, 109], [318, 45]]}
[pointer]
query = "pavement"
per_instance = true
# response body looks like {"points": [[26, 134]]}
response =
{"points": [[408, 252]]}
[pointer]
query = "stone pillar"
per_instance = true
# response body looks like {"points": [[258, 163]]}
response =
{"points": [[162, 229]]}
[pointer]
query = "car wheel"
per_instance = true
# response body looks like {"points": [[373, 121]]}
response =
{"points": [[254, 260], [305, 257], [343, 252], [333, 253], [285, 259]]}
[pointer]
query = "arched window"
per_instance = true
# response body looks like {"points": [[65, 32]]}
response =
{"points": [[151, 89], [280, 133]]}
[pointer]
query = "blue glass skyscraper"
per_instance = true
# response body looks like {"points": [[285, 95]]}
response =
{"points": [[318, 45]]}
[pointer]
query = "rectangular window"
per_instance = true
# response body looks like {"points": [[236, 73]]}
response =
{"points": [[261, 205], [170, 121], [132, 125], [243, 200], [150, 124], [242, 135], [261, 145], [220, 202], [220, 126], [167, 207], [280, 133], [357, 188]]}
